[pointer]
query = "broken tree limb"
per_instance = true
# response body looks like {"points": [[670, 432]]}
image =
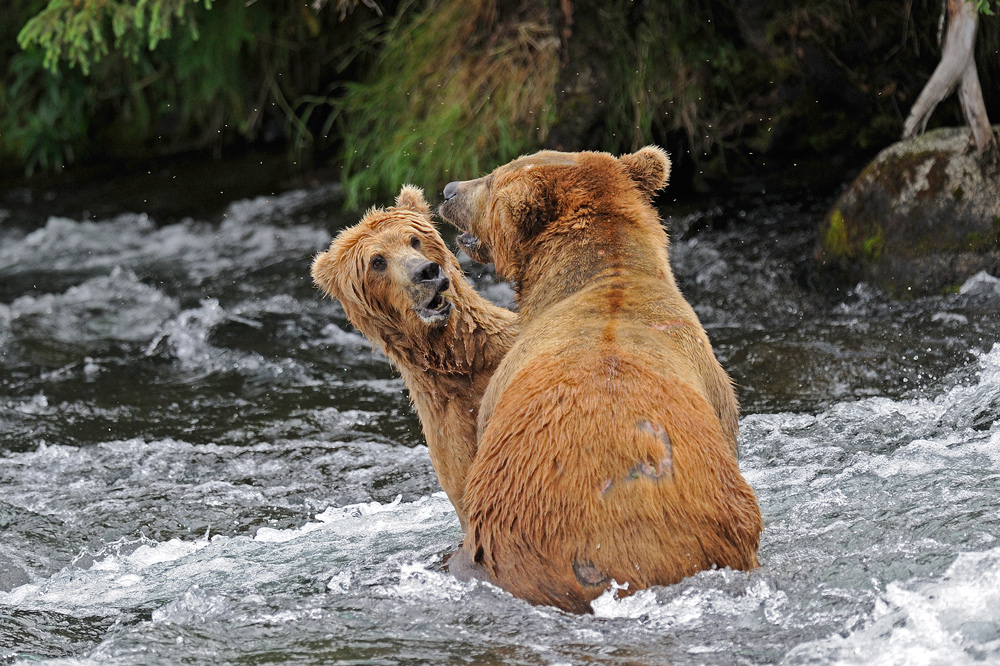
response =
{"points": [[957, 68], [970, 94]]}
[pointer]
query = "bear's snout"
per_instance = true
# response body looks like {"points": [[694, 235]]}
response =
{"points": [[450, 190], [428, 285], [426, 273]]}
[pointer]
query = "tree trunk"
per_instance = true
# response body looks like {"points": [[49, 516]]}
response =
{"points": [[974, 109], [957, 68]]}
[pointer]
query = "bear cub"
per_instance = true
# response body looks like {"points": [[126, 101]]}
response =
{"points": [[402, 288]]}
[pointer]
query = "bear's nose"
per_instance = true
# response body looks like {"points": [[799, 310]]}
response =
{"points": [[450, 190], [427, 272]]}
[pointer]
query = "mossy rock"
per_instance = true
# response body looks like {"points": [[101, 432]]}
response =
{"points": [[920, 219]]}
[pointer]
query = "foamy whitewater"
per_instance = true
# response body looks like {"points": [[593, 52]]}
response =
{"points": [[201, 462]]}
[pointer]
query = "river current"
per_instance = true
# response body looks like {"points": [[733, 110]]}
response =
{"points": [[202, 463]]}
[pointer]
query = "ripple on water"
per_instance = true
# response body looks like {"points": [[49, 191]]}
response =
{"points": [[91, 319], [223, 255], [220, 485], [887, 555], [953, 619]]}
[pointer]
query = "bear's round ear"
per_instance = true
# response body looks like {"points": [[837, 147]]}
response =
{"points": [[324, 274], [412, 198], [649, 167]]}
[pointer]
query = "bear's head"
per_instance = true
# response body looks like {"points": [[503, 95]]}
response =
{"points": [[501, 212], [391, 271]]}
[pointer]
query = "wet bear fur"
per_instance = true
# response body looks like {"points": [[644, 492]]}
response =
{"points": [[607, 437], [402, 288]]}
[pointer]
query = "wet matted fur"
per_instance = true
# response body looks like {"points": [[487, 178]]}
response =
{"points": [[607, 437], [401, 287]]}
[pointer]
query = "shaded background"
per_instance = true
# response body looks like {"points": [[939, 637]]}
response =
{"points": [[376, 93]]}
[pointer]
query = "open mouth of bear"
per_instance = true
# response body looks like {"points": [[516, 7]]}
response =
{"points": [[436, 310]]}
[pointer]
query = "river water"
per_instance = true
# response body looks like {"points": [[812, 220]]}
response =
{"points": [[201, 462]]}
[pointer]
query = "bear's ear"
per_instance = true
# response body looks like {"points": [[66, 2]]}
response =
{"points": [[648, 167], [324, 274], [412, 198]]}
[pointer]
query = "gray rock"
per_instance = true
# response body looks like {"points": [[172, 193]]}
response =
{"points": [[921, 218]]}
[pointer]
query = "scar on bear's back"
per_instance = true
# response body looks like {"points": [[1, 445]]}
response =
{"points": [[665, 465], [654, 470]]}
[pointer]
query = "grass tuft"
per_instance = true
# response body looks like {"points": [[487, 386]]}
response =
{"points": [[455, 91]]}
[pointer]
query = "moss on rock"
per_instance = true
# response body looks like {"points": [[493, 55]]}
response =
{"points": [[920, 217], [836, 234]]}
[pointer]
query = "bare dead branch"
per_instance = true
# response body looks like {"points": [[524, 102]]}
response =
{"points": [[956, 69]]}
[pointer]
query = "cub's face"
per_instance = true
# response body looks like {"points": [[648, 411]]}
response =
{"points": [[391, 270], [501, 212]]}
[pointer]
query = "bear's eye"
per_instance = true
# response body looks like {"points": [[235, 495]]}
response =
{"points": [[415, 243], [378, 263]]}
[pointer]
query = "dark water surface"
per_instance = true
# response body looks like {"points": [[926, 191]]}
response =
{"points": [[200, 461]]}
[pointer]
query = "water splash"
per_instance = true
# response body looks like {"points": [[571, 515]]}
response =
{"points": [[953, 619], [90, 319], [211, 473]]}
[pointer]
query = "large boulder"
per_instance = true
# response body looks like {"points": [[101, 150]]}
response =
{"points": [[921, 218]]}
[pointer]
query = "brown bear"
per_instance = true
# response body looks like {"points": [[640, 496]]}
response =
{"points": [[607, 437], [401, 287]]}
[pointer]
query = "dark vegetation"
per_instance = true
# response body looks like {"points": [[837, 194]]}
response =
{"points": [[388, 91]]}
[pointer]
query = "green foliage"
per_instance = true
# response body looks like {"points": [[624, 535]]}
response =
{"points": [[983, 7], [43, 116], [674, 72], [447, 89], [851, 69], [78, 31], [452, 93], [149, 77], [209, 88]]}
